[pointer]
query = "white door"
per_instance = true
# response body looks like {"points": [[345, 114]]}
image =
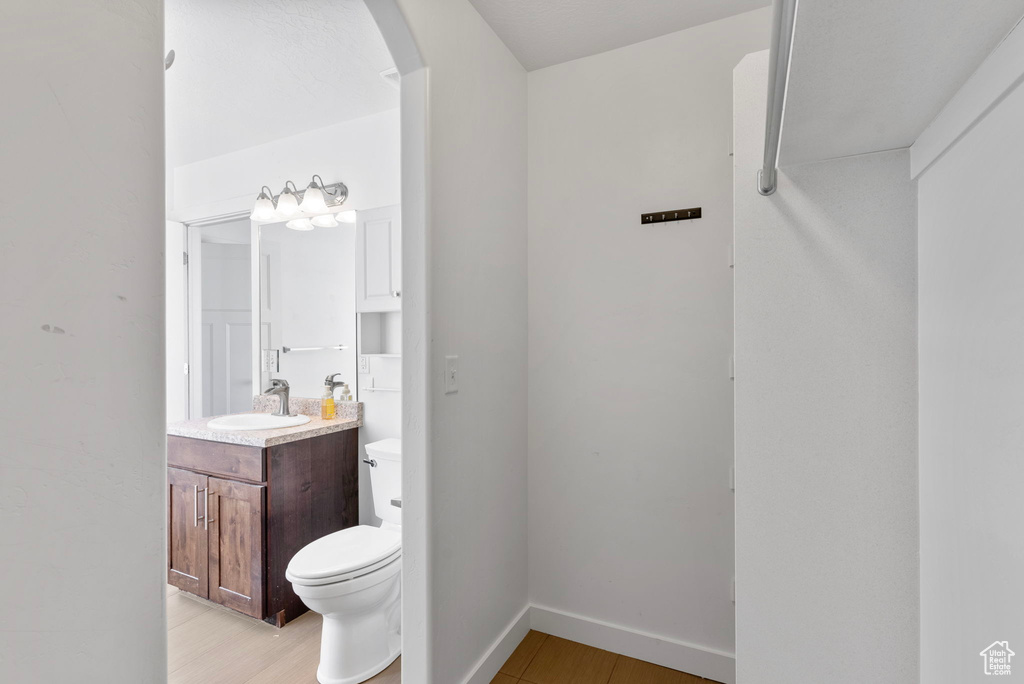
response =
{"points": [[227, 359], [379, 259], [220, 318], [227, 329]]}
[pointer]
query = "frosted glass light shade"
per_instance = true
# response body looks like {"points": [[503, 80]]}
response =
{"points": [[348, 216], [300, 224], [263, 210], [287, 205], [324, 221], [313, 201]]}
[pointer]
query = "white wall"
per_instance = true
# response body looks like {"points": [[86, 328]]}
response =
{"points": [[476, 309], [972, 396], [826, 414], [630, 334], [82, 534], [362, 153]]}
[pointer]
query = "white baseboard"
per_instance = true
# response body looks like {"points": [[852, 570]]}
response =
{"points": [[677, 655], [485, 669]]}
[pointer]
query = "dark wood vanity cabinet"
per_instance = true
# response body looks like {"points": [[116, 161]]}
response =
{"points": [[237, 515], [216, 539]]}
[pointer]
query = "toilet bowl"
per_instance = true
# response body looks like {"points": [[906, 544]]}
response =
{"points": [[353, 578]]}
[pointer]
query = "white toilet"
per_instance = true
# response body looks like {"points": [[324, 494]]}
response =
{"points": [[353, 579]]}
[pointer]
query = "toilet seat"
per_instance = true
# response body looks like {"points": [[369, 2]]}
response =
{"points": [[344, 555]]}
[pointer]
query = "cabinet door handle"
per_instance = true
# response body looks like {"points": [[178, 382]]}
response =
{"points": [[195, 506], [206, 511], [396, 293]]}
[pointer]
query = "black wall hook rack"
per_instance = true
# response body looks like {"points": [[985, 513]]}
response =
{"points": [[674, 215]]}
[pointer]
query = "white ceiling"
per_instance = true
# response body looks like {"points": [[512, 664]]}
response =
{"points": [[870, 76], [250, 71], [545, 32]]}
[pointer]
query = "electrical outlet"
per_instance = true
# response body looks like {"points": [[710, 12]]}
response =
{"points": [[364, 364], [271, 361], [451, 374]]}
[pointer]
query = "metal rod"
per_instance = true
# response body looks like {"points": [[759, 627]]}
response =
{"points": [[783, 23], [287, 350]]}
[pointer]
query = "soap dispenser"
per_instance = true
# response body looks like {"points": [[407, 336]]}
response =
{"points": [[327, 407]]}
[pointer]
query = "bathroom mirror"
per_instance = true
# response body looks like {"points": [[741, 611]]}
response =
{"points": [[307, 320]]}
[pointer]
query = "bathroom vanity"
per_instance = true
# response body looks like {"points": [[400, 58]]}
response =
{"points": [[242, 503]]}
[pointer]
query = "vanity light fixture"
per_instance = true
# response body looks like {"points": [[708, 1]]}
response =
{"points": [[313, 207], [324, 221], [300, 224], [264, 207], [287, 205], [313, 198]]}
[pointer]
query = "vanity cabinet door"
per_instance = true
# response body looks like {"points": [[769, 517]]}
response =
{"points": [[379, 259], [187, 554], [236, 545]]}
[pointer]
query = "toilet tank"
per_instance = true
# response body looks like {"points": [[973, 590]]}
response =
{"points": [[386, 478]]}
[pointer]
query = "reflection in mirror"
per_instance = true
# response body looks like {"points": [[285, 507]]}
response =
{"points": [[307, 306], [223, 305]]}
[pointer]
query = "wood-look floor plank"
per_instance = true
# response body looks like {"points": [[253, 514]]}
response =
{"points": [[520, 659], [560, 661], [633, 671], [503, 679], [248, 655], [181, 608], [296, 666], [213, 644], [211, 630], [392, 675]]}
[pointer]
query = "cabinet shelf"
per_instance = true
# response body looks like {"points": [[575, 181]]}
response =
{"points": [[380, 334]]}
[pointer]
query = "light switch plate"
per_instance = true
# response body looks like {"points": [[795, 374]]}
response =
{"points": [[364, 364], [451, 374]]}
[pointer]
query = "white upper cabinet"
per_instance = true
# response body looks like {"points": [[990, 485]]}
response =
{"points": [[379, 259]]}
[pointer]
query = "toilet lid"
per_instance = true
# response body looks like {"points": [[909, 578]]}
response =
{"points": [[345, 552]]}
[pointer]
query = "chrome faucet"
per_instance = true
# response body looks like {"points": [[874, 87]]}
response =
{"points": [[281, 389], [329, 381]]}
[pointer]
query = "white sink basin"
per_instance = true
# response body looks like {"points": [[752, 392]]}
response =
{"points": [[255, 421]]}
